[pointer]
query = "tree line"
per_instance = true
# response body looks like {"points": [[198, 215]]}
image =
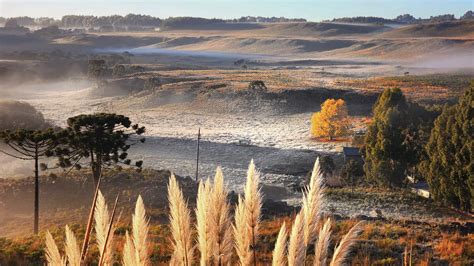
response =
{"points": [[404, 19], [430, 144], [83, 21]]}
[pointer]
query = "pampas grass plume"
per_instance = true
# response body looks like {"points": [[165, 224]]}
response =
{"points": [[140, 228], [73, 253], [313, 203], [343, 249], [296, 248], [180, 224], [53, 256], [221, 226], [322, 245], [279, 253]]}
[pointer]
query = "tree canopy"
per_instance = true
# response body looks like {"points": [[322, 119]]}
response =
{"points": [[449, 166], [20, 115], [395, 138], [331, 121], [102, 138]]}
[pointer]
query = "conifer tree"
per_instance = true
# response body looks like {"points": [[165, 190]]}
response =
{"points": [[449, 166], [30, 145]]}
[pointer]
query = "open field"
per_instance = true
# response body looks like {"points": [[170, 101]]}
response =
{"points": [[175, 81]]}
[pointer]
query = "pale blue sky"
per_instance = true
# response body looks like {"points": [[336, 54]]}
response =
{"points": [[314, 10]]}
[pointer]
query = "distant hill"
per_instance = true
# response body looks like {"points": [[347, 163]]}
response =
{"points": [[463, 28], [321, 29]]}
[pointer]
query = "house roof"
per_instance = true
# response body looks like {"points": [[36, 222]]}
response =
{"points": [[350, 151], [421, 185]]}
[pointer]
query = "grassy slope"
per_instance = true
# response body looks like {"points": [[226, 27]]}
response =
{"points": [[383, 241]]}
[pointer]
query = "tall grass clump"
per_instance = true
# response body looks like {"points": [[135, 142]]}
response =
{"points": [[180, 224], [343, 249], [220, 224], [53, 257], [136, 247], [216, 235], [313, 204], [296, 252], [102, 221], [305, 230], [71, 248], [322, 245], [202, 211], [247, 218], [279, 253]]}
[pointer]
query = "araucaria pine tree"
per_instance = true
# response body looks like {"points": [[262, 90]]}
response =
{"points": [[30, 145]]}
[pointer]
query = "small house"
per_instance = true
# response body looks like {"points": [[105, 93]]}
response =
{"points": [[352, 153]]}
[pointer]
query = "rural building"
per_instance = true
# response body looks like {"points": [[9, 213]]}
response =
{"points": [[351, 153]]}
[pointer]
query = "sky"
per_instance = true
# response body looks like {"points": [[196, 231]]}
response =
{"points": [[313, 10]]}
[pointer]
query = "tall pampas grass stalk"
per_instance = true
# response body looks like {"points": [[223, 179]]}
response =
{"points": [[140, 228], [279, 253], [53, 257], [108, 237], [242, 235], [128, 251], [73, 252], [85, 244], [313, 203], [343, 249], [253, 205], [203, 222], [102, 220], [296, 248], [135, 249], [180, 223], [221, 226], [322, 245]]}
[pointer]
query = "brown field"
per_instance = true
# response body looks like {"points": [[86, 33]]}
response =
{"points": [[179, 80]]}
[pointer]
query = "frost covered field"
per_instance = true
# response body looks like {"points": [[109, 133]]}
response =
{"points": [[280, 144]]}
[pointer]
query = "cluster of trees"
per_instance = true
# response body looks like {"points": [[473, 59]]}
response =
{"points": [[449, 163], [251, 19], [433, 144], [180, 22], [404, 19], [81, 21], [405, 138], [395, 139], [114, 20], [96, 140], [15, 114]]}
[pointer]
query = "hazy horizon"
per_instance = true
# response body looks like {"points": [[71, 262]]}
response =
{"points": [[313, 10]]}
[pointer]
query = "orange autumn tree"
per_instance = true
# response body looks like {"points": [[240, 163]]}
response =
{"points": [[331, 121]]}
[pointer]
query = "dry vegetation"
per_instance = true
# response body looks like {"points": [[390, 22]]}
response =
{"points": [[434, 88], [382, 242]]}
